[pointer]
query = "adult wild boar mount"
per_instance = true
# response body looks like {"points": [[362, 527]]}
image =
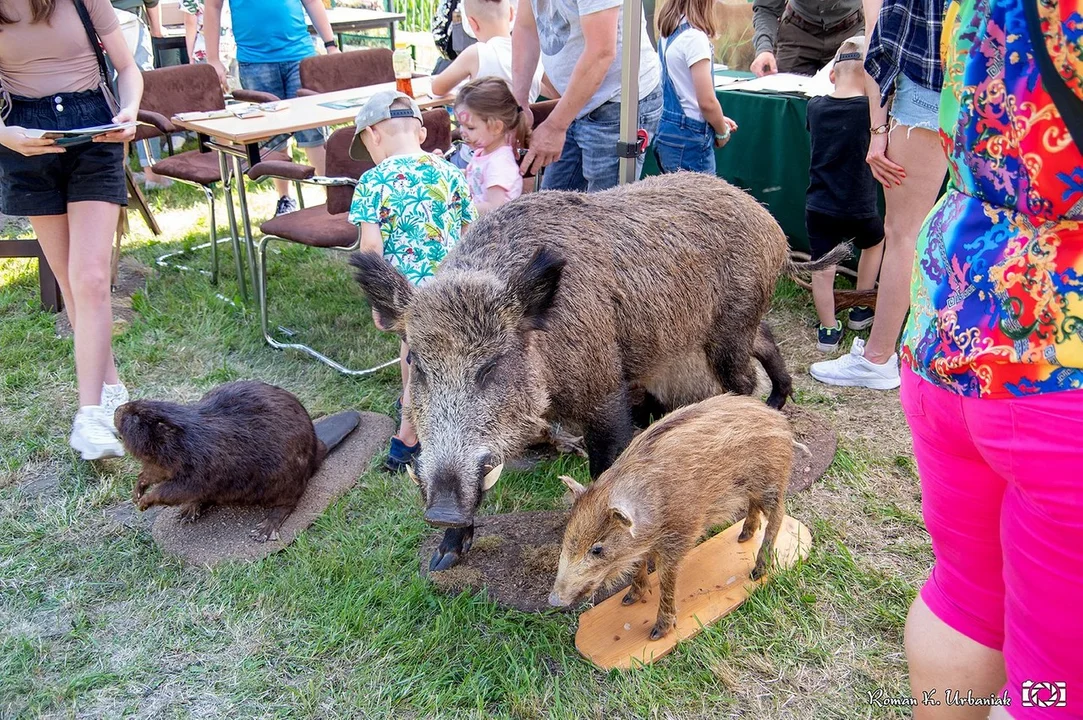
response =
{"points": [[561, 306]]}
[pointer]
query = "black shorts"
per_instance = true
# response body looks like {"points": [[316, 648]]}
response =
{"points": [[826, 232], [45, 184]]}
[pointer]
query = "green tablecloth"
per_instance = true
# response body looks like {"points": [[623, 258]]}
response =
{"points": [[768, 155]]}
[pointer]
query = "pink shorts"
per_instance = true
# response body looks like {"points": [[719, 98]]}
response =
{"points": [[1002, 497]]}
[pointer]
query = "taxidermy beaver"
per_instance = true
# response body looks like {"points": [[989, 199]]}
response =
{"points": [[243, 443]]}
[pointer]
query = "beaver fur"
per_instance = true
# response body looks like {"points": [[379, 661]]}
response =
{"points": [[243, 443]]}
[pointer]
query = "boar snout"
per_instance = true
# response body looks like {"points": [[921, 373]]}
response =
{"points": [[447, 515], [454, 497], [556, 601]]}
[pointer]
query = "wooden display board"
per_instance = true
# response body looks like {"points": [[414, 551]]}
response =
{"points": [[713, 581]]}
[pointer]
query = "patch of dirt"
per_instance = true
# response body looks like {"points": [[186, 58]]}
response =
{"points": [[36, 479], [514, 557], [224, 533], [131, 276], [128, 516]]}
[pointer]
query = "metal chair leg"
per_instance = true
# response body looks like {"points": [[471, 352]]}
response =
{"points": [[300, 195], [167, 260], [265, 324]]}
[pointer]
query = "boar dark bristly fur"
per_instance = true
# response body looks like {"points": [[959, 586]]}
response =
{"points": [[243, 443], [703, 465], [562, 307]]}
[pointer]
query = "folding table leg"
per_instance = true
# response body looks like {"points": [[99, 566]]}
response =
{"points": [[227, 192]]}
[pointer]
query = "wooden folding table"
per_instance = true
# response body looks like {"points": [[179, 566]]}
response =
{"points": [[240, 137]]}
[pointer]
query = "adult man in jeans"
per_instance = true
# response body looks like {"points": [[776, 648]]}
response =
{"points": [[801, 36], [272, 39], [579, 44]]}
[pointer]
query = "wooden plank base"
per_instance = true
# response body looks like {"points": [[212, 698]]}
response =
{"points": [[713, 580]]}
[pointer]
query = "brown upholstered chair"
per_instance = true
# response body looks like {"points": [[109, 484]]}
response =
{"points": [[327, 226], [354, 69], [191, 88]]}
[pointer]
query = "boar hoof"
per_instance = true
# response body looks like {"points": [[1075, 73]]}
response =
{"points": [[631, 597], [456, 543], [759, 571], [661, 629]]}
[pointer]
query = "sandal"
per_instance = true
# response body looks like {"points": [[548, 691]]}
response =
{"points": [[400, 455]]}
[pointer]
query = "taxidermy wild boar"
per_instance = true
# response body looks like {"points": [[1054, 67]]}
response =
{"points": [[243, 443], [700, 466], [560, 307]]}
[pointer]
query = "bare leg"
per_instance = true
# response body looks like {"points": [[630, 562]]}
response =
{"points": [[639, 584], [920, 152], [823, 285], [317, 158], [406, 429], [941, 657], [868, 267], [282, 187]]}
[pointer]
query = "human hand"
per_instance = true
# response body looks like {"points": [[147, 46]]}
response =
{"points": [[886, 171], [15, 138], [221, 70], [764, 64], [333, 50], [125, 116], [731, 126], [546, 145]]}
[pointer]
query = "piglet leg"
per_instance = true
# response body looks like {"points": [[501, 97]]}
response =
{"points": [[667, 604], [775, 509], [456, 543], [639, 585]]}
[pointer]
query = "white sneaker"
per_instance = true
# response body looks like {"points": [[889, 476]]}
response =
{"points": [[854, 370], [113, 396], [92, 434]]}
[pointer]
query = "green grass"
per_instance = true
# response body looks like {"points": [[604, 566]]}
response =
{"points": [[96, 622]]}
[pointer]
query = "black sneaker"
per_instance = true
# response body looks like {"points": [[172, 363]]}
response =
{"points": [[286, 204], [860, 317], [828, 339]]}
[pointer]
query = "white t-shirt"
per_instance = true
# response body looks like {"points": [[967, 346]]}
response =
{"points": [[560, 32], [689, 48], [494, 60]]}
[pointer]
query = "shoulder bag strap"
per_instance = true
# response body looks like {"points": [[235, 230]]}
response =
{"points": [[104, 69], [1064, 98]]}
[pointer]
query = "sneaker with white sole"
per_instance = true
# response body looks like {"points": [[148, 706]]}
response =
{"points": [[853, 370], [113, 396], [92, 434]]}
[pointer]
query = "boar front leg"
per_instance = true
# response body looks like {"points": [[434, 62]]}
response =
{"points": [[774, 508], [640, 586], [456, 543], [667, 601], [608, 432]]}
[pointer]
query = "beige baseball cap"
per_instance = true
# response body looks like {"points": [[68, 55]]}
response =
{"points": [[377, 109]]}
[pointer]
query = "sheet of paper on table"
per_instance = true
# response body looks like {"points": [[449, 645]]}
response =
{"points": [[785, 83]]}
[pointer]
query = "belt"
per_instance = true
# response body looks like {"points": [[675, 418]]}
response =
{"points": [[846, 23]]}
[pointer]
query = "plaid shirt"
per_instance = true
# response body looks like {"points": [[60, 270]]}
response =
{"points": [[906, 40]]}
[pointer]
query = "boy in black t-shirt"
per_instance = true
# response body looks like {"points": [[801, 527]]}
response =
{"points": [[841, 201]]}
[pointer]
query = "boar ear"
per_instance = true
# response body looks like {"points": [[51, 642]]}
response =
{"points": [[572, 485], [388, 291], [536, 285], [624, 513]]}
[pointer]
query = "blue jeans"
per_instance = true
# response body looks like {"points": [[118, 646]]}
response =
{"points": [[589, 159], [915, 106], [282, 80], [685, 144]]}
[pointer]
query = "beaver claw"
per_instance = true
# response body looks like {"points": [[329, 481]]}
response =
{"points": [[456, 543]]}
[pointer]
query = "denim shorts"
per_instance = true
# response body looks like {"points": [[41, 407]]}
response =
{"points": [[283, 80], [589, 159], [45, 184], [915, 106]]}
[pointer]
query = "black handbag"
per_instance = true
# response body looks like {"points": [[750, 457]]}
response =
{"points": [[1064, 98], [105, 68]]}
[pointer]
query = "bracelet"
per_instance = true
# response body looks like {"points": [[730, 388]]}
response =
{"points": [[879, 129], [328, 44], [722, 137]]}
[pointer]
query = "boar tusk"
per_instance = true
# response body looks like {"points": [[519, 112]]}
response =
{"points": [[491, 477], [410, 472]]}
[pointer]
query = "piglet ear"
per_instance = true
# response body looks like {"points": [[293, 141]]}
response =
{"points": [[625, 514], [535, 287], [388, 290], [572, 485]]}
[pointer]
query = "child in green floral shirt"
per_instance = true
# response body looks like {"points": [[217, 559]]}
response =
{"points": [[412, 208]]}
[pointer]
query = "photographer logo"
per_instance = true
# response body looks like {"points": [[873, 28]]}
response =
{"points": [[1044, 694]]}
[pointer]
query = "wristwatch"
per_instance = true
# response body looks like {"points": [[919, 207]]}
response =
{"points": [[330, 44], [879, 129]]}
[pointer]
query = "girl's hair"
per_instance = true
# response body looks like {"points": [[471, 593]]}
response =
{"points": [[490, 98], [40, 10], [700, 14]]}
